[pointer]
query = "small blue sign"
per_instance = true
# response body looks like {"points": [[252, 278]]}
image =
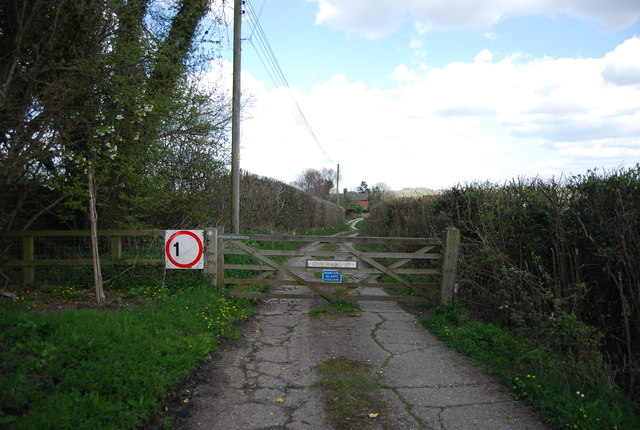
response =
{"points": [[331, 276]]}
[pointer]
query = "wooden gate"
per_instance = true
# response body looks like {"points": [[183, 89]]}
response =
{"points": [[334, 267]]}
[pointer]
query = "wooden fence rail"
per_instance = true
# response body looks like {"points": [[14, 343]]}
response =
{"points": [[215, 249], [29, 262]]}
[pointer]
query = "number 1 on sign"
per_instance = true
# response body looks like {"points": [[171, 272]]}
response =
{"points": [[183, 249]]}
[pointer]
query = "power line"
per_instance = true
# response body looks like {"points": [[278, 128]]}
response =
{"points": [[264, 2], [270, 62]]}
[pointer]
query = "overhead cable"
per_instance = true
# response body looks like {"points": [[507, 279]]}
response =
{"points": [[270, 63]]}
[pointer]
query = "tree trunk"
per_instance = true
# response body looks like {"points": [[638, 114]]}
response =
{"points": [[93, 220]]}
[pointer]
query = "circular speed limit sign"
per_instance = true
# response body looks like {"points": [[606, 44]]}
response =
{"points": [[183, 249]]}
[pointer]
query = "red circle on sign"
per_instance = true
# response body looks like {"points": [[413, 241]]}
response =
{"points": [[167, 248]]}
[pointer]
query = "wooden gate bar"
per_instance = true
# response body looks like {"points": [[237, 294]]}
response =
{"points": [[333, 239], [400, 263], [394, 266], [389, 285], [379, 266], [283, 269], [339, 254]]}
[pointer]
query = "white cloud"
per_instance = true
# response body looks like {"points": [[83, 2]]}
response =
{"points": [[360, 16], [388, 15], [623, 64], [482, 120], [485, 56], [610, 15], [416, 44]]}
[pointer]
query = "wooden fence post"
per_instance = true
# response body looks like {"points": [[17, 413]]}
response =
{"points": [[28, 253], [211, 255], [116, 247], [449, 264], [220, 257]]}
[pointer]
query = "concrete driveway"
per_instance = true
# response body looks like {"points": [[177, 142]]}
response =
{"points": [[269, 380]]}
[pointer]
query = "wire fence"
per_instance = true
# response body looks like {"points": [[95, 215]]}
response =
{"points": [[53, 258]]}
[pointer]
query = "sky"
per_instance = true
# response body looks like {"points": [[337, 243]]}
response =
{"points": [[435, 93]]}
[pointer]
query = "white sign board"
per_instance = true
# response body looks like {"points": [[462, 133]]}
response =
{"points": [[183, 249], [342, 264]]}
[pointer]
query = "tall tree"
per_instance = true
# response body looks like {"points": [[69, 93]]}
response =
{"points": [[379, 193], [106, 82], [363, 188], [82, 79], [44, 45], [318, 183]]}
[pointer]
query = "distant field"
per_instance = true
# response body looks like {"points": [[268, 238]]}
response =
{"points": [[415, 192]]}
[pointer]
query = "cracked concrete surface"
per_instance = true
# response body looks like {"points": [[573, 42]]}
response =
{"points": [[268, 380]]}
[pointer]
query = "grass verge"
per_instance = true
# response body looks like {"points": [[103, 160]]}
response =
{"points": [[567, 394], [95, 369]]}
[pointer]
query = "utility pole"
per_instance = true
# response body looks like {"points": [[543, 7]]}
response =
{"points": [[338, 186], [235, 117]]}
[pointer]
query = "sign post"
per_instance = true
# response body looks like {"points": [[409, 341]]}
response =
{"points": [[183, 249]]}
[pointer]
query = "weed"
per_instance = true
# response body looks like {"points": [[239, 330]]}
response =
{"points": [[349, 388], [68, 292], [334, 308], [150, 292]]}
